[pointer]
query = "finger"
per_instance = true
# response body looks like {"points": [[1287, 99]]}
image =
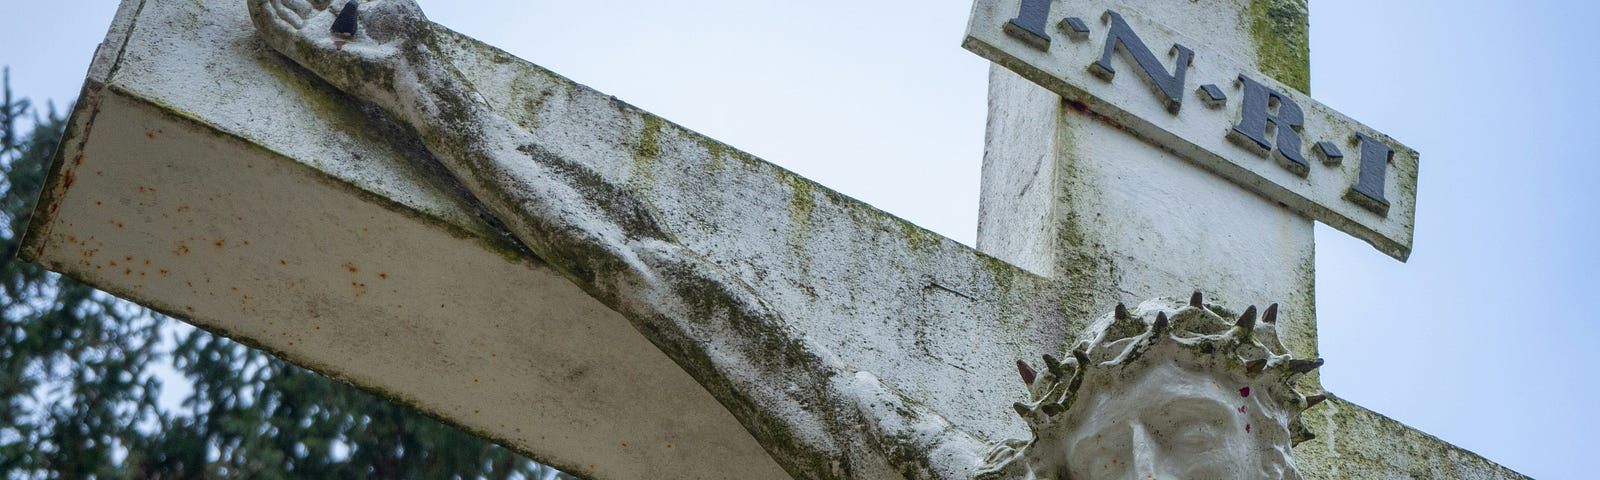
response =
{"points": [[300, 7], [283, 14], [268, 19]]}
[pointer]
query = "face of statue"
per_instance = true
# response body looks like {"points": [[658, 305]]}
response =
{"points": [[1172, 423]]}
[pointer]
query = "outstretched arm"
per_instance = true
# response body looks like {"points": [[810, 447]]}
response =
{"points": [[816, 416]]}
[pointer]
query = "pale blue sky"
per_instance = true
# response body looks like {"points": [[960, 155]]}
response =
{"points": [[1483, 339]]}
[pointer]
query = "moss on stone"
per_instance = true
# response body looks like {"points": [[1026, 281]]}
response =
{"points": [[645, 151], [1280, 29], [802, 203]]}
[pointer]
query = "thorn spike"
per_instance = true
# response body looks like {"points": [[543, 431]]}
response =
{"points": [[1022, 410], [1082, 357], [1255, 366], [1197, 300], [1247, 321], [1161, 323], [1028, 375], [1053, 364], [1315, 400], [1304, 366], [1053, 409], [1272, 314], [1122, 312]]}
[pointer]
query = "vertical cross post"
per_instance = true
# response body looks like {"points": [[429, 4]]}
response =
{"points": [[1074, 195]]}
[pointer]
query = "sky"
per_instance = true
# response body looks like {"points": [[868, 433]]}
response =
{"points": [[1482, 338]]}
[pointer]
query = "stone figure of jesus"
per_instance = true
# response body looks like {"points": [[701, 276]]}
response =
{"points": [[817, 416]]}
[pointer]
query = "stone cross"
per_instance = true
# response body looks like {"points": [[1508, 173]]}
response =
{"points": [[209, 177]]}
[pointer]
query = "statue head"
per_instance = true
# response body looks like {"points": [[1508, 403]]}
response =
{"points": [[1170, 390]]}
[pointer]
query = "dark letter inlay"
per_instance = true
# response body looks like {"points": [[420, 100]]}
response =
{"points": [[1368, 190], [1030, 24], [1168, 85], [1256, 113]]}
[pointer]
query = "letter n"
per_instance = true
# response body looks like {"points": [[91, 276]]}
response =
{"points": [[1168, 85]]}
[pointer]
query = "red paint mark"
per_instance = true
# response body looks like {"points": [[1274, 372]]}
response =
{"points": [[1246, 428], [1241, 409], [1244, 392], [339, 44]]}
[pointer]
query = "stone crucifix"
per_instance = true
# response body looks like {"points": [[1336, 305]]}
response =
{"points": [[624, 298], [819, 415]]}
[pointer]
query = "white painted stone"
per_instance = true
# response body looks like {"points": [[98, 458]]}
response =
{"points": [[1167, 390], [1200, 133], [916, 333]]}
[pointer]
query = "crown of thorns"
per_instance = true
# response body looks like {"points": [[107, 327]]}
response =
{"points": [[1244, 345]]}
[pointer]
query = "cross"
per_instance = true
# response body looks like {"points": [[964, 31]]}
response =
{"points": [[212, 179]]}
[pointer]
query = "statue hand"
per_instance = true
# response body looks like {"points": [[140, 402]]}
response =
{"points": [[389, 36]]}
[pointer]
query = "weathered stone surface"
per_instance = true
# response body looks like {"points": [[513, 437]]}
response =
{"points": [[276, 210], [1117, 218], [244, 146], [1201, 133], [1353, 442]]}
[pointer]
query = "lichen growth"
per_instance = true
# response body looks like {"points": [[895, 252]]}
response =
{"points": [[645, 152], [802, 202], [1283, 46]]}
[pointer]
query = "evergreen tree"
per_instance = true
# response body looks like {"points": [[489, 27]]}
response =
{"points": [[78, 398]]}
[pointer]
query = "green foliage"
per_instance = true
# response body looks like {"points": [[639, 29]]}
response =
{"points": [[80, 397]]}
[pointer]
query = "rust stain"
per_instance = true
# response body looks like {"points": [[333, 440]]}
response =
{"points": [[219, 243], [351, 267], [78, 160], [68, 178], [384, 276]]}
